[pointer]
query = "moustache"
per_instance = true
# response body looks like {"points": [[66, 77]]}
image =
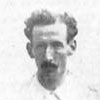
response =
{"points": [[49, 66]]}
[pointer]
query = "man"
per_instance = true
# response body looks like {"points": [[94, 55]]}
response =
{"points": [[51, 42]]}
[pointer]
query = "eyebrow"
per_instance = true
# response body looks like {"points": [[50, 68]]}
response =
{"points": [[57, 43]]}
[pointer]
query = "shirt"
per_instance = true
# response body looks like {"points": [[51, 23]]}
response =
{"points": [[35, 91], [74, 87], [70, 89]]}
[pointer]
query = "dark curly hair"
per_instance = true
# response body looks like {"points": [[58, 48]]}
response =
{"points": [[44, 17]]}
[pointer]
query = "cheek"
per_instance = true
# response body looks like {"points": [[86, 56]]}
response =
{"points": [[61, 58], [39, 53], [39, 56], [61, 61]]}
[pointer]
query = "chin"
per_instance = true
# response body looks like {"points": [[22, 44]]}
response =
{"points": [[49, 82]]}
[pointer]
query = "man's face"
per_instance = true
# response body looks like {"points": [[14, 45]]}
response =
{"points": [[50, 47]]}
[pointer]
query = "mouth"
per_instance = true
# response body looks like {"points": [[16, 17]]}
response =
{"points": [[49, 68]]}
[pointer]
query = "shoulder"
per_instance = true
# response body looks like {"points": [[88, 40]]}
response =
{"points": [[73, 88], [31, 90]]}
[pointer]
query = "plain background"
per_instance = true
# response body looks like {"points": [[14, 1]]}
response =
{"points": [[16, 67]]}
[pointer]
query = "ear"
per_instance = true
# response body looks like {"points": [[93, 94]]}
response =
{"points": [[71, 47], [29, 50]]}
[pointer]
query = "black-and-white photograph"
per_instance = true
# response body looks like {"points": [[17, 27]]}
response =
{"points": [[50, 50]]}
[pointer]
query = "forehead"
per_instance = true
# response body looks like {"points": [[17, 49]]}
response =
{"points": [[57, 31]]}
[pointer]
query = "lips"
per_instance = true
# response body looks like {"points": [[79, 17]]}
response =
{"points": [[48, 67]]}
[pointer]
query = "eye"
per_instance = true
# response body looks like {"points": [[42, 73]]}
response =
{"points": [[41, 46], [57, 45]]}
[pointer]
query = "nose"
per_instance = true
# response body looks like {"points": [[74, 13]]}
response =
{"points": [[49, 53]]}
